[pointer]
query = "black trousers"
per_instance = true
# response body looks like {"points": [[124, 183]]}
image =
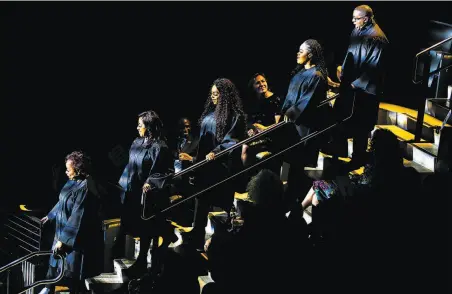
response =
{"points": [[363, 121]]}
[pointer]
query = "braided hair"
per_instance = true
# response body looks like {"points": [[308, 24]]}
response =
{"points": [[228, 101], [317, 58]]}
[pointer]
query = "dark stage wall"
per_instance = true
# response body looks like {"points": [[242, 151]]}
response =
{"points": [[77, 73]]}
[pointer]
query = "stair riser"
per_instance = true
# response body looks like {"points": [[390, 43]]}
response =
{"points": [[409, 124], [436, 110], [386, 117], [423, 158]]}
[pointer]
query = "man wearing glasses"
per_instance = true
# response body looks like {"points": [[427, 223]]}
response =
{"points": [[362, 76]]}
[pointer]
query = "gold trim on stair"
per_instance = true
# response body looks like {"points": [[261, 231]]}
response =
{"points": [[400, 109], [398, 131]]}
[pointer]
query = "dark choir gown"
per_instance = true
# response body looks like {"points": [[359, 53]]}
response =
{"points": [[219, 169], [306, 90], [364, 68], [148, 160], [367, 47], [78, 226]]}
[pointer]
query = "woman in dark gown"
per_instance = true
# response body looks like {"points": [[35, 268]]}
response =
{"points": [[78, 231], [149, 158], [222, 126], [307, 88]]}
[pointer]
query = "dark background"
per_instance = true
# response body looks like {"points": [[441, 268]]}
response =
{"points": [[77, 74]]}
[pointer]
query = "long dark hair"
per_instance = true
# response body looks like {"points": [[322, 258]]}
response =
{"points": [[317, 58], [153, 124], [228, 101]]}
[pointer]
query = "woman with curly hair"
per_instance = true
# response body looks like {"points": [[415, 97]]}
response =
{"points": [[149, 159], [222, 125], [78, 231]]}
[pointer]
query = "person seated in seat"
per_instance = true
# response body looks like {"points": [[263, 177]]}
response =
{"points": [[379, 217], [187, 145], [264, 110], [265, 251]]}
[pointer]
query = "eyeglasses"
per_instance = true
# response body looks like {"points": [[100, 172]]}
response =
{"points": [[357, 18], [215, 94]]}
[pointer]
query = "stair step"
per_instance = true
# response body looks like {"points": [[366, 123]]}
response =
{"points": [[408, 123], [120, 265], [106, 282], [419, 168], [401, 134], [203, 281], [438, 108], [393, 109], [403, 137], [425, 154]]}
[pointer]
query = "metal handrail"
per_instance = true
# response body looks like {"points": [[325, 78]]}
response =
{"points": [[425, 77], [278, 125], [33, 254], [235, 146], [416, 58]]}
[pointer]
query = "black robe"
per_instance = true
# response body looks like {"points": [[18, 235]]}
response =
{"points": [[306, 90], [220, 169], [78, 227], [367, 48], [208, 139], [148, 163]]}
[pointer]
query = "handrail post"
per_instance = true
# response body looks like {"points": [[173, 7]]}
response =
{"points": [[7, 281], [422, 98]]}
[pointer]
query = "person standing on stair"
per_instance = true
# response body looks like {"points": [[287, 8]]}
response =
{"points": [[307, 88], [223, 124], [78, 231], [362, 74], [149, 156]]}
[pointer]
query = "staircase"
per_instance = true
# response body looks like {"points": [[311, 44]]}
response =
{"points": [[399, 120]]}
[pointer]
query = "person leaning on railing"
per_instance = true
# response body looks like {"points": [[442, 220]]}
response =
{"points": [[78, 231]]}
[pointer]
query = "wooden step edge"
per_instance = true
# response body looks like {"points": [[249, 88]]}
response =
{"points": [[401, 109], [401, 134], [425, 124], [423, 146]]}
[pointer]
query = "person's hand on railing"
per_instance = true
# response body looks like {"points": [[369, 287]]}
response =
{"points": [[259, 127], [146, 187], [339, 72], [184, 156], [44, 219], [210, 156], [244, 155], [59, 248], [250, 132], [207, 244]]}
